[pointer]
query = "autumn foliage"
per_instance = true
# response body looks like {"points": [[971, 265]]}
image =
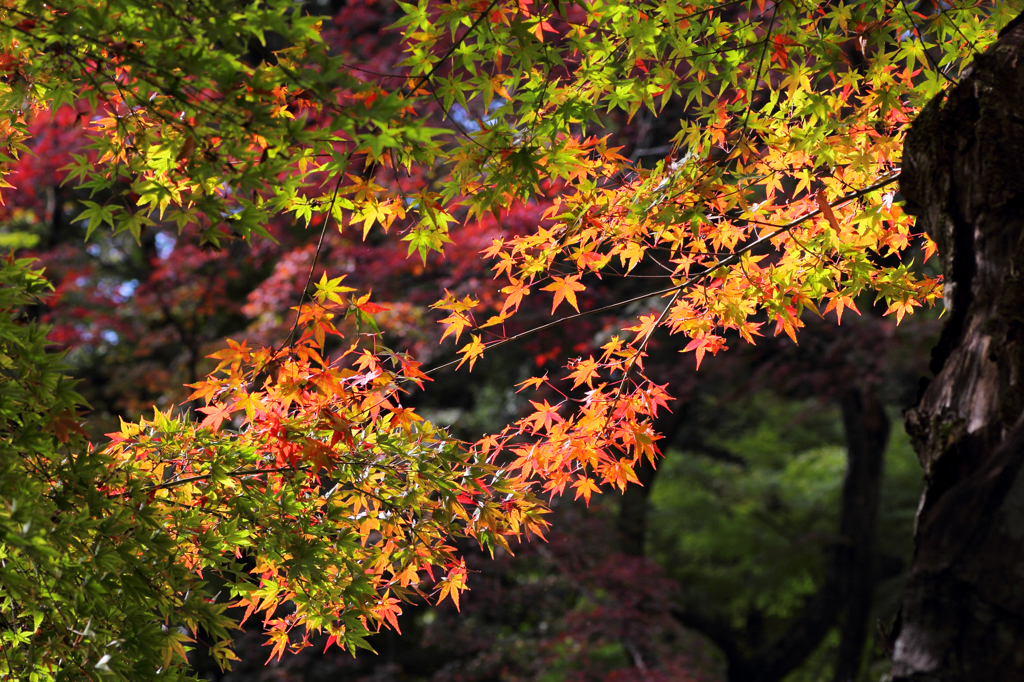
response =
{"points": [[463, 164]]}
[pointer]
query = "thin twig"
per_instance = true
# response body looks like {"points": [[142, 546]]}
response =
{"points": [[316, 254], [236, 473]]}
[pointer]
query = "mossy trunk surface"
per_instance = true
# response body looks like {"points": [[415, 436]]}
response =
{"points": [[963, 176]]}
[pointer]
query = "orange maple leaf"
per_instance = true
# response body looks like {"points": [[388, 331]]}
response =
{"points": [[545, 416], [585, 372], [457, 322], [930, 248], [205, 390], [515, 295], [645, 328], [705, 343], [787, 321], [565, 288], [472, 351], [389, 610], [453, 584], [411, 370], [839, 303], [235, 354], [585, 487], [493, 320], [901, 308], [278, 639], [532, 382], [494, 249]]}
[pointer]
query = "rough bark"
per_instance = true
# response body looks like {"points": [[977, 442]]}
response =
{"points": [[963, 176]]}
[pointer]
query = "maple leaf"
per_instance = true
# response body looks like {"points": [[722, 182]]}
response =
{"points": [[532, 382], [494, 320], [494, 249], [235, 354], [371, 308], [404, 417], [839, 302], [65, 423], [364, 304], [540, 27], [411, 370], [626, 474], [630, 254], [471, 351], [930, 247], [585, 372], [656, 398], [585, 486], [453, 584], [565, 288], [388, 611], [748, 330], [456, 322], [901, 308], [788, 321], [215, 415], [525, 462], [278, 640], [705, 343], [544, 416], [251, 403], [331, 290], [613, 348], [826, 210], [645, 328], [515, 292], [368, 361], [173, 645]]}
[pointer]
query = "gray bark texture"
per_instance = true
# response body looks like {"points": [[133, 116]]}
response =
{"points": [[963, 176]]}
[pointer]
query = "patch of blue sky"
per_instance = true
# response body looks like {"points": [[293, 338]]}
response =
{"points": [[469, 122], [165, 244]]}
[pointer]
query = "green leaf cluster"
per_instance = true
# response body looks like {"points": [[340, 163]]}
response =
{"points": [[89, 585]]}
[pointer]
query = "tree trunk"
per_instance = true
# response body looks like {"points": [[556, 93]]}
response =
{"points": [[963, 176], [867, 433], [632, 521], [851, 576]]}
